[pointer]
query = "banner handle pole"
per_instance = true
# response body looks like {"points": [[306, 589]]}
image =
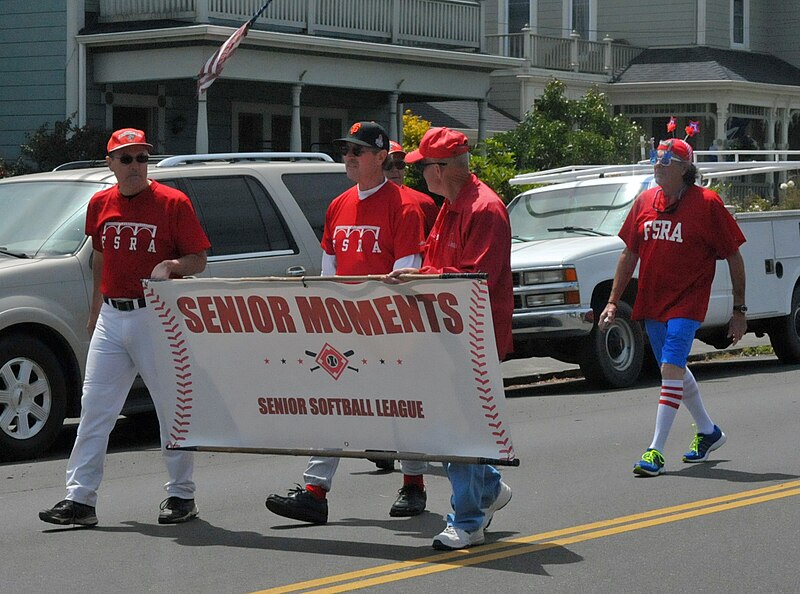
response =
{"points": [[371, 455]]}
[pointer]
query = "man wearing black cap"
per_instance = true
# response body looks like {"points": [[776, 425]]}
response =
{"points": [[369, 229]]}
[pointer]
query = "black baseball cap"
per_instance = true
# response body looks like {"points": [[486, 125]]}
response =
{"points": [[368, 134]]}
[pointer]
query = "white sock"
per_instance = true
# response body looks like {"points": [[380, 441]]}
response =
{"points": [[668, 404], [694, 404]]}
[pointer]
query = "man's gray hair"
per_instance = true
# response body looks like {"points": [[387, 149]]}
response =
{"points": [[461, 161]]}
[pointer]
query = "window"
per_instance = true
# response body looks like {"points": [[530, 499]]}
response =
{"points": [[314, 192], [519, 15], [740, 23], [251, 132], [238, 215], [579, 20]]}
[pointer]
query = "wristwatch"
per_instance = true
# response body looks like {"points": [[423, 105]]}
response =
{"points": [[740, 308]]}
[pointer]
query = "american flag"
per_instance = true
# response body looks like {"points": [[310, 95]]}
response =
{"points": [[213, 67]]}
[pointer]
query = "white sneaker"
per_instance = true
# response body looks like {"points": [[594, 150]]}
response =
{"points": [[452, 538], [502, 500]]}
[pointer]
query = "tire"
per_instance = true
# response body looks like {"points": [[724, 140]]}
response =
{"points": [[614, 358], [785, 333], [33, 397]]}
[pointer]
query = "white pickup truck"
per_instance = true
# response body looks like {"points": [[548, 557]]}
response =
{"points": [[565, 251]]}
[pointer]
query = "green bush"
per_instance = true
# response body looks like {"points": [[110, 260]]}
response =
{"points": [[559, 131], [66, 142]]}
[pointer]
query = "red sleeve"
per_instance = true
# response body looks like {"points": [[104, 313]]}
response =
{"points": [[480, 253], [191, 238], [327, 233], [630, 228], [409, 232], [729, 236], [91, 226]]}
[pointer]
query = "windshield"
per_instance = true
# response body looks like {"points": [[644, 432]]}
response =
{"points": [[567, 212], [39, 218]]}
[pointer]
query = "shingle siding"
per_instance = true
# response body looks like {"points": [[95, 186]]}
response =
{"points": [[648, 24], [550, 18], [32, 68], [718, 23]]}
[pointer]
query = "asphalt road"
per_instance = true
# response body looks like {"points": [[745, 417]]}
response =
{"points": [[579, 520]]}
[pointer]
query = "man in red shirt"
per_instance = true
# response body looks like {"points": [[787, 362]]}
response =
{"points": [[471, 234], [394, 167], [139, 229], [677, 230], [369, 229]]}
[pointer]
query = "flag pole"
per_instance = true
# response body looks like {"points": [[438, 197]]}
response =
{"points": [[201, 138], [209, 73]]}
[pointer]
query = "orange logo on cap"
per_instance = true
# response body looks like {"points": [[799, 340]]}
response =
{"points": [[129, 135], [355, 128]]}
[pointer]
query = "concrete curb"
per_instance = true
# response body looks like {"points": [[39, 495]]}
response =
{"points": [[524, 380]]}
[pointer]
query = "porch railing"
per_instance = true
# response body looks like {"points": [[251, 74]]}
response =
{"points": [[452, 24], [559, 53]]}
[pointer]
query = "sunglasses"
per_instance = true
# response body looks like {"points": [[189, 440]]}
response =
{"points": [[399, 165], [665, 159], [356, 149], [128, 159]]}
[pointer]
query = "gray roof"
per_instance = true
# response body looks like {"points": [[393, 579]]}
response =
{"points": [[462, 115], [706, 63]]}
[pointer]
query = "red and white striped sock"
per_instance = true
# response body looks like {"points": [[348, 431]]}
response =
{"points": [[668, 404]]}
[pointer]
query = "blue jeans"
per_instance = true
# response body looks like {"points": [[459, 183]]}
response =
{"points": [[475, 487]]}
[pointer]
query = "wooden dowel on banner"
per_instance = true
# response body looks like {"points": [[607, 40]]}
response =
{"points": [[359, 278], [371, 455]]}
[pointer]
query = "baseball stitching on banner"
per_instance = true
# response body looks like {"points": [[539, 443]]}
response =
{"points": [[477, 320], [182, 365]]}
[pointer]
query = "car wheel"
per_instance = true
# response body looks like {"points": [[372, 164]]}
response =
{"points": [[32, 397], [785, 334], [613, 358]]}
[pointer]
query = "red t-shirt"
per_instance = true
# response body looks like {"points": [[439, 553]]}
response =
{"points": [[472, 234], [135, 234], [367, 236], [426, 205], [678, 251]]}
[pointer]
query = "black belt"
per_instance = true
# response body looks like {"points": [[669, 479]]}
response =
{"points": [[126, 304]]}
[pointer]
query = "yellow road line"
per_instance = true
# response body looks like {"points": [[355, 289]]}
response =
{"points": [[520, 546]]}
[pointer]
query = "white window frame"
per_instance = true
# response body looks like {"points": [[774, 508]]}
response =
{"points": [[567, 18], [745, 25]]}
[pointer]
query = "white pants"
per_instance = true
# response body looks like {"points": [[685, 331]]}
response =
{"points": [[120, 347], [320, 470]]}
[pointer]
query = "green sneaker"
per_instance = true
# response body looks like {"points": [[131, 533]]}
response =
{"points": [[651, 464]]}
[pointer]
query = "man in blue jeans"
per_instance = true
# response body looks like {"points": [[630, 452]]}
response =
{"points": [[471, 234]]}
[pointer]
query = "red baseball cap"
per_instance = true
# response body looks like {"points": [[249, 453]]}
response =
{"points": [[127, 137], [396, 147], [439, 143], [680, 148]]}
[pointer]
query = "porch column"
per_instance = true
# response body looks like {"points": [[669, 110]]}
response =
{"points": [[296, 140], [394, 96], [772, 113], [722, 121], [400, 111], [772, 117], [482, 126]]}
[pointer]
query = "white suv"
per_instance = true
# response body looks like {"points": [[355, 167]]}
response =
{"points": [[263, 214]]}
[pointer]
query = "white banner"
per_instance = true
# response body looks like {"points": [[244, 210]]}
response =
{"points": [[295, 367]]}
